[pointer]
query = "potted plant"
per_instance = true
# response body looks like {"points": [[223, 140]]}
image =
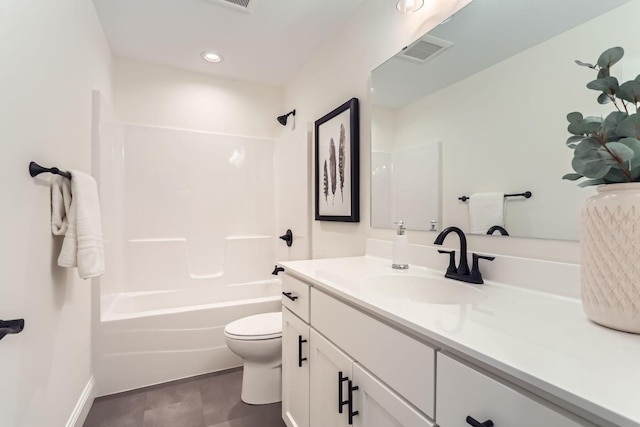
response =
{"points": [[607, 153]]}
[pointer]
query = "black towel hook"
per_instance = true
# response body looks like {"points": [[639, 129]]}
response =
{"points": [[36, 169], [11, 327]]}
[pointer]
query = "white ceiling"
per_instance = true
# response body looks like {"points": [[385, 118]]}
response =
{"points": [[266, 44]]}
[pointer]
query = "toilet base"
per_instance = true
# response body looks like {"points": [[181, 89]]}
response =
{"points": [[260, 384]]}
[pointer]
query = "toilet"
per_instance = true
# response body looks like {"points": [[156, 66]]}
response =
{"points": [[258, 340]]}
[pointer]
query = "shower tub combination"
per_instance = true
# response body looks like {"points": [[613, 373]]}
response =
{"points": [[152, 337], [190, 244]]}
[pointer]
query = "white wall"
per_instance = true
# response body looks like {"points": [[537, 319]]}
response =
{"points": [[341, 70], [53, 53]]}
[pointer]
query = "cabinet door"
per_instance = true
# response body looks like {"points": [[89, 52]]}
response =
{"points": [[378, 406], [330, 376], [464, 392], [295, 370]]}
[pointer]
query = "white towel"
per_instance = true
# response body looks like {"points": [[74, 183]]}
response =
{"points": [[485, 211], [75, 213]]}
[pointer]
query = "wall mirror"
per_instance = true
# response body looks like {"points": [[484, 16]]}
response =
{"points": [[479, 105]]}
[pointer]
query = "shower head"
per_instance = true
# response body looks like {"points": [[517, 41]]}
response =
{"points": [[283, 119]]}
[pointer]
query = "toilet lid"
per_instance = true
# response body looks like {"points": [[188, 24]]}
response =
{"points": [[260, 326]]}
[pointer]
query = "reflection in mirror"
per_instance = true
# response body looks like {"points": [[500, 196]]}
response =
{"points": [[494, 99], [406, 181]]}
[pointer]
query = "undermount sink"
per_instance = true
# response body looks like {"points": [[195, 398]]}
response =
{"points": [[424, 289]]}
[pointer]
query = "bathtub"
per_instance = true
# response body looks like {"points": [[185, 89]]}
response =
{"points": [[147, 338]]}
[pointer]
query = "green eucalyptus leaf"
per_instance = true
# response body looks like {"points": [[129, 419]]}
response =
{"points": [[635, 173], [634, 145], [588, 149], [615, 176], [572, 176], [611, 123], [587, 126], [574, 117], [629, 91], [622, 151], [573, 141], [610, 57], [591, 182], [585, 64], [604, 98], [630, 127], [606, 84], [594, 168], [603, 72], [637, 78]]}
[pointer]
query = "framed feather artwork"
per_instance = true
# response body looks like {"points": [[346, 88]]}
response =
{"points": [[337, 164]]}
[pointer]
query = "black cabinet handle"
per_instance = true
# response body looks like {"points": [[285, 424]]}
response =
{"points": [[352, 413], [475, 423], [290, 296], [341, 402], [300, 358]]}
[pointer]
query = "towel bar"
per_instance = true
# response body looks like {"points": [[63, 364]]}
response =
{"points": [[526, 195], [36, 169]]}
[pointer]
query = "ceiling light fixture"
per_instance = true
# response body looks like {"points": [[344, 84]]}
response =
{"points": [[211, 56], [409, 6]]}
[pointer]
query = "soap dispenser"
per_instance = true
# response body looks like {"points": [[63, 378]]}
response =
{"points": [[400, 259]]}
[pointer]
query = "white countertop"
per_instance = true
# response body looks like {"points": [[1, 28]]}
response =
{"points": [[542, 339]]}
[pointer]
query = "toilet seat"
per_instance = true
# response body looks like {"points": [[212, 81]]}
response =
{"points": [[263, 326]]}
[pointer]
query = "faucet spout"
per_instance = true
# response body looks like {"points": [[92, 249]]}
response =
{"points": [[463, 266]]}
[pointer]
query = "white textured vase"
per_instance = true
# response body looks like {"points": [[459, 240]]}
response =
{"points": [[610, 257]]}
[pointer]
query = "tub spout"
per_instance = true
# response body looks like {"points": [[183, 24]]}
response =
{"points": [[277, 270]]}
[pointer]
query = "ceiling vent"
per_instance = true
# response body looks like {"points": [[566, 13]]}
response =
{"points": [[240, 5], [425, 49]]}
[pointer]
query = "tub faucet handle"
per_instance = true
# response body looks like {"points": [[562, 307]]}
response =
{"points": [[288, 237]]}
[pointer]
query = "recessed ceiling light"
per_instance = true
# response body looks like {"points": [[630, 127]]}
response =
{"points": [[211, 56], [409, 6]]}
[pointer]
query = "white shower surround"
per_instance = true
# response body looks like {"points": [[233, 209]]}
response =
{"points": [[190, 246]]}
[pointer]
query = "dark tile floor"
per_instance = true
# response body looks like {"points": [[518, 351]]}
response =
{"points": [[211, 400]]}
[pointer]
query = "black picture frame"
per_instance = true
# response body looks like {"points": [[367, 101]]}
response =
{"points": [[337, 164]]}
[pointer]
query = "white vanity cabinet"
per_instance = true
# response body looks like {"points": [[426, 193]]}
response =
{"points": [[406, 366], [465, 392], [379, 406], [295, 353], [343, 393], [329, 383], [331, 376]]}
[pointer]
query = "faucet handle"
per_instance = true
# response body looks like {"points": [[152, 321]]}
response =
{"points": [[452, 260], [475, 268]]}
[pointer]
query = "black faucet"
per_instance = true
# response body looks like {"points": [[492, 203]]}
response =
{"points": [[277, 270], [499, 229], [462, 271]]}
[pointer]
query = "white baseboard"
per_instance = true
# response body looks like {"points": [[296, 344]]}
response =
{"points": [[80, 412]]}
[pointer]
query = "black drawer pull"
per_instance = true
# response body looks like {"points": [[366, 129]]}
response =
{"points": [[291, 297], [352, 413], [341, 402], [300, 358], [474, 423]]}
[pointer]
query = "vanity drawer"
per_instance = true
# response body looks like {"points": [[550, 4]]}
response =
{"points": [[403, 363], [298, 296], [462, 391]]}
